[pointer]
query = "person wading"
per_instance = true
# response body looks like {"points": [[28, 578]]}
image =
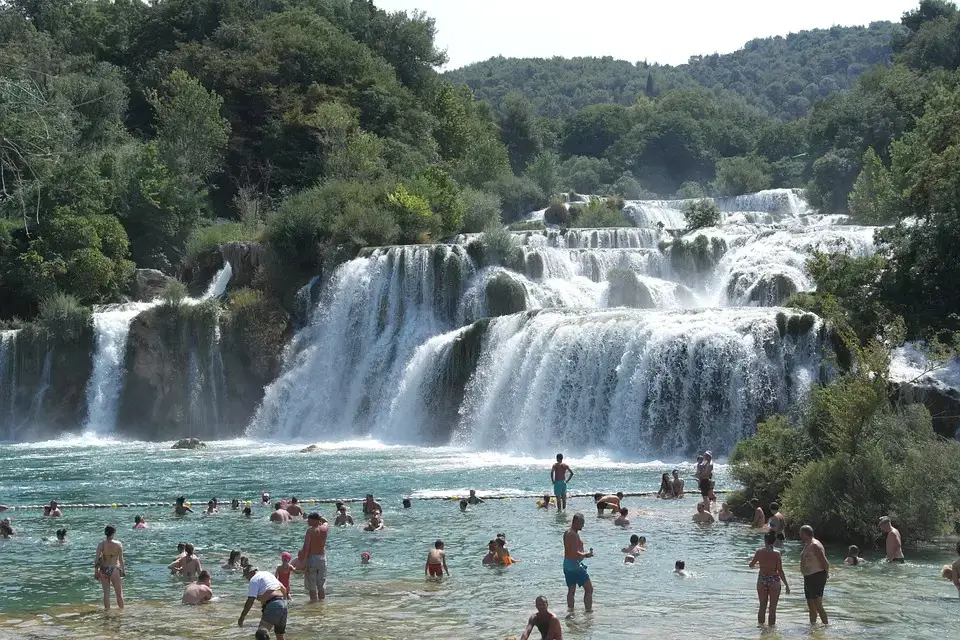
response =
{"points": [[574, 571], [815, 570]]}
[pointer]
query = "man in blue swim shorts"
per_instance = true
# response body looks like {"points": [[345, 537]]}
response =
{"points": [[574, 571], [560, 475]]}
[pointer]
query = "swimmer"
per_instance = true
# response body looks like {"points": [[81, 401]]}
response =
{"points": [[491, 557], [232, 563], [680, 569], [198, 592], [463, 505], [665, 491], [769, 579], [503, 557], [955, 571], [759, 518], [778, 523], [894, 542], [622, 520], [725, 514], [636, 546], [265, 587], [560, 475], [312, 557], [180, 508], [6, 529], [544, 503], [264, 498], [244, 562], [473, 498], [375, 523], [279, 513], [548, 624], [702, 516], [62, 536], [109, 567], [343, 518], [574, 571], [212, 508], [677, 484], [140, 523], [609, 501], [370, 505], [853, 556], [406, 503], [187, 566], [235, 504], [247, 511], [436, 562], [365, 557], [53, 510], [294, 508], [284, 570]]}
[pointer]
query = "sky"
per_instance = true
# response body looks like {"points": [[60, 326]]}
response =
{"points": [[664, 31]]}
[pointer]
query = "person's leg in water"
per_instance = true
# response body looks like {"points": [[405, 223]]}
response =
{"points": [[763, 596], [774, 599], [819, 609], [588, 595], [571, 596], [105, 582], [116, 580]]}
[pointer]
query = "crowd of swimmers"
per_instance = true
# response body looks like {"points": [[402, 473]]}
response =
{"points": [[272, 588]]}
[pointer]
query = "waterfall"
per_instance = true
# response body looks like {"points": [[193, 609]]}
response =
{"points": [[218, 286], [36, 405], [8, 374], [111, 325]]}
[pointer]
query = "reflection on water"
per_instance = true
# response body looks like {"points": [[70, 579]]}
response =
{"points": [[48, 590]]}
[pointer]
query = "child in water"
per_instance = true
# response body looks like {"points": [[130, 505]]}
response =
{"points": [[680, 568], [463, 505], [853, 556], [284, 570], [637, 544], [436, 562], [365, 557], [139, 522]]}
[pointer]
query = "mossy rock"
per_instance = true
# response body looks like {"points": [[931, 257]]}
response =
{"points": [[782, 323], [793, 326], [807, 322], [535, 267], [771, 290], [626, 290], [505, 296]]}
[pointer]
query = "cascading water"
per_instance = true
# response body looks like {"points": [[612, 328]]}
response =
{"points": [[8, 374], [398, 347], [111, 325]]}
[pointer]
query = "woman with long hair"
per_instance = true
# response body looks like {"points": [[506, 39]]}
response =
{"points": [[770, 577], [109, 566]]}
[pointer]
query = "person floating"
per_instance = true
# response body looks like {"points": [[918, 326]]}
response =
{"points": [[769, 579], [560, 475], [574, 571], [436, 562], [406, 503], [548, 624], [815, 570], [312, 558], [894, 542], [139, 522], [6, 529], [198, 592], [109, 566], [265, 587], [853, 556]]}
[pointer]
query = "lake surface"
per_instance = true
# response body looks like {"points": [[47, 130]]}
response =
{"points": [[48, 590]]}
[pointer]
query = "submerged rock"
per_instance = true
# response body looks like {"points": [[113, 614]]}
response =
{"points": [[188, 443], [309, 449], [505, 296], [626, 290]]}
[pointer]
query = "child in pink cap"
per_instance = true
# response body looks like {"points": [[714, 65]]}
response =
{"points": [[284, 570], [365, 558]]}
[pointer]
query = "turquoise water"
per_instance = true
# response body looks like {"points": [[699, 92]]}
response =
{"points": [[48, 589]]}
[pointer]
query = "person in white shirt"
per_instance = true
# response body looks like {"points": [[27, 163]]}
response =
{"points": [[265, 587]]}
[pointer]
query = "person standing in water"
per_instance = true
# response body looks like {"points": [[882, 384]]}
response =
{"points": [[265, 587], [294, 508], [769, 579], [312, 559], [704, 476], [370, 506], [677, 484], [815, 570], [109, 566], [548, 624], [574, 571], [284, 570], [188, 565], [560, 475], [665, 491], [759, 518], [181, 508], [436, 562], [894, 542], [778, 523], [198, 592]]}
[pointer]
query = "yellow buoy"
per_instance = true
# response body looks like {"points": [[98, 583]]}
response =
{"points": [[114, 505]]}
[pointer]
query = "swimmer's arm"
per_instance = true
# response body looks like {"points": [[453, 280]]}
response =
{"points": [[569, 474], [783, 576], [246, 609], [822, 557], [444, 556], [755, 560], [528, 630], [123, 563], [176, 565]]}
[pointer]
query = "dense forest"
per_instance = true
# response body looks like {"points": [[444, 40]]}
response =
{"points": [[783, 76]]}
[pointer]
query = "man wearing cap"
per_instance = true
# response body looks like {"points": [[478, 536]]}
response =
{"points": [[312, 556], [265, 587], [894, 542]]}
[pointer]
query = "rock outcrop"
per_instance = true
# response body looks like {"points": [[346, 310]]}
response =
{"points": [[942, 402], [245, 258], [189, 443], [149, 284]]}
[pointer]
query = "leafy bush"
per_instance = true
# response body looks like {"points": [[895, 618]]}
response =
{"points": [[418, 222], [697, 256], [701, 213], [599, 213], [481, 210], [519, 196], [527, 225], [207, 239], [557, 214], [496, 246], [689, 190], [743, 174], [62, 316], [174, 293]]}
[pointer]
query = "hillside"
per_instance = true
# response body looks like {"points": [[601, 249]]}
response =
{"points": [[782, 75]]}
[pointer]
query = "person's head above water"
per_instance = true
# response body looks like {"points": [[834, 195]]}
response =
{"points": [[492, 545], [463, 504], [285, 556], [109, 530], [885, 524], [853, 551], [181, 546], [261, 634], [188, 549], [597, 496], [204, 577], [234, 555], [277, 506], [620, 494], [181, 500], [247, 511], [406, 503], [61, 534], [634, 539], [137, 519], [541, 604], [770, 538], [577, 523], [438, 544], [559, 457], [248, 571], [700, 507], [680, 565], [473, 493], [293, 500], [365, 557], [624, 512], [774, 507]]}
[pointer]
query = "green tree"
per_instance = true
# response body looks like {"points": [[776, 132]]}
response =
{"points": [[873, 199], [544, 171], [417, 221], [743, 174], [518, 130], [701, 213]]}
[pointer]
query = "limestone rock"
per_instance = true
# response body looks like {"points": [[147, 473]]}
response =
{"points": [[149, 284], [245, 258], [188, 443]]}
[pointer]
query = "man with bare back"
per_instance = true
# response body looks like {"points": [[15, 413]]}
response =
{"points": [[312, 557], [815, 570], [574, 571], [560, 475]]}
